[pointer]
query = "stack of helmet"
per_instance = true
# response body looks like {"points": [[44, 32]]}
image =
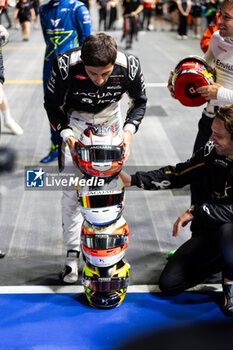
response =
{"points": [[104, 233]]}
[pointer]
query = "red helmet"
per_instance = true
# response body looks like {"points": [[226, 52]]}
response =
{"points": [[100, 151], [189, 74]]}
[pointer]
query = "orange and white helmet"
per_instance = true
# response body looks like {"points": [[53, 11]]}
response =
{"points": [[100, 151], [104, 246]]}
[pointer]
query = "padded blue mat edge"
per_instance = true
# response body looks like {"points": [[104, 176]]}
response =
{"points": [[66, 321]]}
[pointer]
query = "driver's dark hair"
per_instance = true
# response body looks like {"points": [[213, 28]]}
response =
{"points": [[225, 113], [99, 50]]}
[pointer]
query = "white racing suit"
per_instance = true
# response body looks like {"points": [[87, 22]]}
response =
{"points": [[73, 103], [219, 55]]}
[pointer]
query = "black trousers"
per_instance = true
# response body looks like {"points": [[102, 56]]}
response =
{"points": [[182, 29], [5, 12], [205, 253], [200, 189], [204, 131], [130, 29], [103, 17], [112, 17]]}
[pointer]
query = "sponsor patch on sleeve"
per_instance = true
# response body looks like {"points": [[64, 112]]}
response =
{"points": [[133, 66], [63, 65], [208, 148]]}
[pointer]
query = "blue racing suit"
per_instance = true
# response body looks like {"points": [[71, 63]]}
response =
{"points": [[65, 24]]}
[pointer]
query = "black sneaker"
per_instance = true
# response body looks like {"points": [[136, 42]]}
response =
{"points": [[70, 272], [128, 47], [228, 296]]}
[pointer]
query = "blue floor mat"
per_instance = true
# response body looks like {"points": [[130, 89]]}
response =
{"points": [[67, 322]]}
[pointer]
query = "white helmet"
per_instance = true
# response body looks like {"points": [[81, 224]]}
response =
{"points": [[102, 205], [99, 151]]}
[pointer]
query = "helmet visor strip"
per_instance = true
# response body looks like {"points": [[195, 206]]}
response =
{"points": [[103, 241], [105, 284], [102, 200], [100, 153]]}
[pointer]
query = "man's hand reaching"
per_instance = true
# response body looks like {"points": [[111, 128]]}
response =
{"points": [[127, 136], [209, 91], [182, 221], [169, 84]]}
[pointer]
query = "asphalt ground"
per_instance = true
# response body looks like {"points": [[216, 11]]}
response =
{"points": [[31, 232]]}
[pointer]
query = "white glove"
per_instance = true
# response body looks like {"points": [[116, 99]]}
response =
{"points": [[4, 35]]}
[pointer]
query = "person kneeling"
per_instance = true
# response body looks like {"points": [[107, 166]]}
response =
{"points": [[210, 248]]}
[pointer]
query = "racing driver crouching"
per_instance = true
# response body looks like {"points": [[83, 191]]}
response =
{"points": [[84, 89]]}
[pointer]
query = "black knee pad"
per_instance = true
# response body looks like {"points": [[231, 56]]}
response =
{"points": [[166, 286]]}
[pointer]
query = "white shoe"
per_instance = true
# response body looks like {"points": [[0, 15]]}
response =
{"points": [[70, 273], [179, 37], [184, 37], [150, 27], [14, 127]]}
